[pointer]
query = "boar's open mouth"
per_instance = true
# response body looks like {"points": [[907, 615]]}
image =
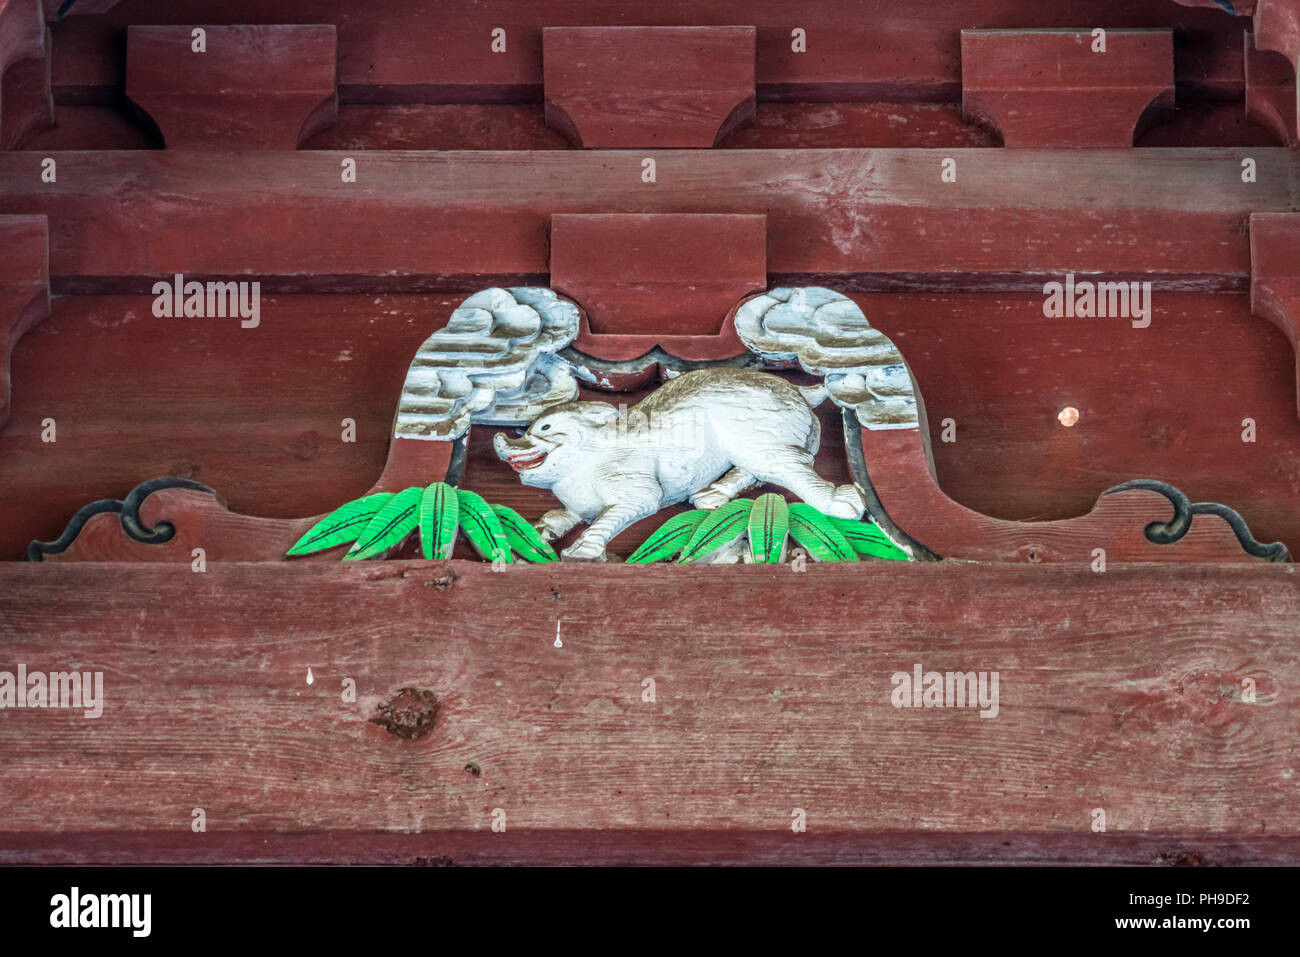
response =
{"points": [[528, 460]]}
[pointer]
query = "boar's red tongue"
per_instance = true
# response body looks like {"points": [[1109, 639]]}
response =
{"points": [[528, 460]]}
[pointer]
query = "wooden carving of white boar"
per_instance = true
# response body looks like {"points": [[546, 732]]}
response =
{"points": [[705, 435]]}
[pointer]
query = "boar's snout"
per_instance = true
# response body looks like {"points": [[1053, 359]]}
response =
{"points": [[520, 453]]}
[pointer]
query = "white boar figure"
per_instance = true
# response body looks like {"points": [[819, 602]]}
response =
{"points": [[706, 435]]}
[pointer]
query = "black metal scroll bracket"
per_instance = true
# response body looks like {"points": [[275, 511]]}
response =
{"points": [[128, 509], [1166, 533]]}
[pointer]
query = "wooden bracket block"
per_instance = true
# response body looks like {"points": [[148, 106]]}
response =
{"points": [[254, 87], [26, 100], [24, 287], [1048, 88], [1277, 28], [648, 86], [1270, 91], [658, 279], [1275, 271]]}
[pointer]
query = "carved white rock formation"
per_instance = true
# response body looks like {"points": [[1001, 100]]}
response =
{"points": [[494, 363], [827, 335]]}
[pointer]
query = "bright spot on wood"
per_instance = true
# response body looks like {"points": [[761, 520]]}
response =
{"points": [[310, 679], [558, 643], [1068, 416]]}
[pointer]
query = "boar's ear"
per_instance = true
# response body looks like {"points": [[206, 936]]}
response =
{"points": [[598, 413]]}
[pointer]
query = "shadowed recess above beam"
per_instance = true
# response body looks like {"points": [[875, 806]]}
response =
{"points": [[237, 87]]}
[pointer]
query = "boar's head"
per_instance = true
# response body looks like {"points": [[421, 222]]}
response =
{"points": [[571, 438]]}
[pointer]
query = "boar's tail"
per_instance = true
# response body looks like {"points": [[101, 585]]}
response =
{"points": [[814, 395]]}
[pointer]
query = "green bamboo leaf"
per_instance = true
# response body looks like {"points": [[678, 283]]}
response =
{"points": [[818, 535], [341, 526], [669, 539], [439, 517], [866, 538], [769, 521], [722, 526], [391, 524], [483, 528], [523, 539]]}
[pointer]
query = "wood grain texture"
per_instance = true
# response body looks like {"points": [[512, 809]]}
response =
{"points": [[1120, 691], [856, 219], [253, 87], [1049, 88]]}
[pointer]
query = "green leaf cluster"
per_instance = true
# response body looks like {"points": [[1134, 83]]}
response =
{"points": [[376, 524], [769, 523]]}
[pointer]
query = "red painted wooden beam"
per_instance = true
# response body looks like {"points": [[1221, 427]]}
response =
{"points": [[773, 692], [662, 279], [24, 288], [1275, 273], [1056, 88], [869, 218], [251, 87], [1270, 92], [611, 87]]}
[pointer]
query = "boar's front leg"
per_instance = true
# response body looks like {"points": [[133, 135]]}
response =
{"points": [[556, 524], [590, 546]]}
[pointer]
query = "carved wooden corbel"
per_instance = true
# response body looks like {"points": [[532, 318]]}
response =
{"points": [[1275, 273], [611, 87], [1270, 91], [1061, 88], [26, 102], [24, 288], [252, 87]]}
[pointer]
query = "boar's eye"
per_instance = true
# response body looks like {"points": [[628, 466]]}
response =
{"points": [[545, 427]]}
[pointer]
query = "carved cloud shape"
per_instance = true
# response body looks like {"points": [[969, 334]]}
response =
{"points": [[826, 334], [494, 363]]}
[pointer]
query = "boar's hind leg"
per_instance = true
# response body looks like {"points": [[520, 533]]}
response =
{"points": [[791, 467], [723, 490]]}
